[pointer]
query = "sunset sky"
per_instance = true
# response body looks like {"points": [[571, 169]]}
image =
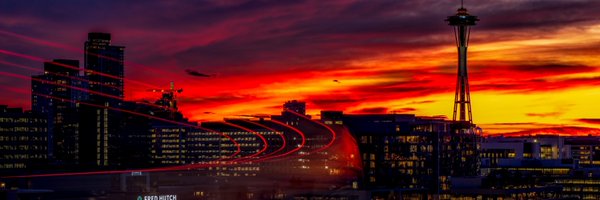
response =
{"points": [[533, 64]]}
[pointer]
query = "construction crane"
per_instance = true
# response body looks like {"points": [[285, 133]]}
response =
{"points": [[168, 98]]}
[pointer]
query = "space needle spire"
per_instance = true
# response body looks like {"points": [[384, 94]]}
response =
{"points": [[462, 23]]}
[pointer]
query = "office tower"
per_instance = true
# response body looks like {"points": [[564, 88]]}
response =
{"points": [[104, 67], [23, 140], [102, 128], [52, 96]]}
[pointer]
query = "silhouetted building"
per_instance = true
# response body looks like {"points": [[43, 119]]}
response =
{"points": [[136, 143], [296, 106], [52, 96], [104, 65], [23, 140], [102, 129], [293, 106]]}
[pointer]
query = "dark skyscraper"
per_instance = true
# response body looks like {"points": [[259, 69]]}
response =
{"points": [[462, 23], [104, 67], [59, 77], [101, 127]]}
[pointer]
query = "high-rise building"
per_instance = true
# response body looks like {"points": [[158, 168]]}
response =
{"points": [[102, 128], [23, 140], [104, 66], [52, 96]]}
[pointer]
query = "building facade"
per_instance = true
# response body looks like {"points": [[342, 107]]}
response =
{"points": [[405, 154], [23, 140], [53, 96]]}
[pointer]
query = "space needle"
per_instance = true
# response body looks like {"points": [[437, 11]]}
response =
{"points": [[462, 23]]}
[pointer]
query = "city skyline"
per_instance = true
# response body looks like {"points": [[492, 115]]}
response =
{"points": [[300, 100], [374, 73]]}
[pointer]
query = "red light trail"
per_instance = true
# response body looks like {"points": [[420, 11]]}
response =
{"points": [[265, 145], [53, 73], [29, 57], [130, 112], [77, 50], [295, 130], [78, 88], [218, 162], [171, 168], [58, 84], [333, 134], [284, 142]]}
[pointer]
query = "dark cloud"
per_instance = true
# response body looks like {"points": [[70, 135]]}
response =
{"points": [[535, 14], [549, 114], [224, 98], [373, 110], [196, 73], [563, 131], [515, 123], [404, 110], [422, 102], [334, 102], [279, 35], [589, 120], [552, 69]]}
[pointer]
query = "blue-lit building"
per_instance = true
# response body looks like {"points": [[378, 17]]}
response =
{"points": [[52, 96]]}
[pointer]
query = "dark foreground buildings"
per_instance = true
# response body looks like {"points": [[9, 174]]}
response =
{"points": [[408, 156], [23, 140]]}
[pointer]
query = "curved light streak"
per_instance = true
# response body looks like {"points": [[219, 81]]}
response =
{"points": [[264, 140], [78, 50], [284, 141], [170, 168], [53, 73], [79, 88], [295, 130], [333, 134]]}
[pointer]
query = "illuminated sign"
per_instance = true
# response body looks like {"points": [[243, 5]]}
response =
{"points": [[158, 197]]}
